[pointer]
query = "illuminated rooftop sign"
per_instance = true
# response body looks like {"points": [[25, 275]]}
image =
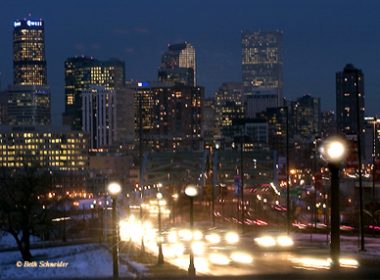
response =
{"points": [[34, 23], [30, 23]]}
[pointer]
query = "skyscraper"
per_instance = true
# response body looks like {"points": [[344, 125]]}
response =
{"points": [[261, 60], [349, 91], [83, 72], [262, 70], [28, 100], [229, 108], [305, 118], [28, 105], [171, 115], [178, 64], [99, 116], [29, 64]]}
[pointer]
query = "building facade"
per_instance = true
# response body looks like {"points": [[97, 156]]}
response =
{"points": [[28, 105], [170, 115], [29, 64], [349, 97], [42, 146], [99, 116], [229, 108], [83, 72], [328, 124], [305, 113], [262, 61], [178, 64]]}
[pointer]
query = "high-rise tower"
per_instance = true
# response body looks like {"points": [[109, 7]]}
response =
{"points": [[29, 64], [349, 91], [262, 70], [178, 64], [80, 74]]}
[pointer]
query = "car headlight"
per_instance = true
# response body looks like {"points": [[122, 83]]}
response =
{"points": [[284, 241], [265, 241], [232, 237]]}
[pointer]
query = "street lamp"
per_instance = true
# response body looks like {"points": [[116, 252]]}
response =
{"points": [[174, 202], [114, 189], [214, 180], [334, 151], [191, 191], [160, 255]]}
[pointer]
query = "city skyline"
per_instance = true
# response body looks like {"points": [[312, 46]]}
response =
{"points": [[310, 63]]}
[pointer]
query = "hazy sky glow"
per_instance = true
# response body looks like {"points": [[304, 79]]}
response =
{"points": [[320, 37]]}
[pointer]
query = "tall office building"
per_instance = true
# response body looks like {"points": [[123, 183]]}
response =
{"points": [[28, 100], [210, 129], [99, 116], [262, 70], [171, 115], [328, 124], [349, 91], [83, 72], [305, 115], [178, 64], [276, 119], [229, 108], [28, 105], [29, 64]]}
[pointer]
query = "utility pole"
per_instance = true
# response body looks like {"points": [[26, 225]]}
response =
{"points": [[288, 221], [242, 176], [141, 173], [358, 133]]}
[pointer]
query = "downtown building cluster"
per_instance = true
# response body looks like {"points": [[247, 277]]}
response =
{"points": [[108, 120]]}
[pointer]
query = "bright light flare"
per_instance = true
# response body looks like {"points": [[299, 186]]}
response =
{"points": [[174, 250], [197, 235], [265, 241], [232, 237], [334, 149], [213, 238], [191, 191], [185, 234], [285, 241], [348, 262], [114, 188], [241, 257], [219, 259], [319, 263], [198, 248], [172, 237]]}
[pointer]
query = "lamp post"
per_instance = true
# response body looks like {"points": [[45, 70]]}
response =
{"points": [[114, 189], [333, 151], [375, 121], [374, 142], [242, 177], [160, 255], [288, 218], [359, 116], [214, 180], [174, 203], [191, 191]]}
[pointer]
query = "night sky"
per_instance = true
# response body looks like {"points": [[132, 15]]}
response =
{"points": [[320, 37]]}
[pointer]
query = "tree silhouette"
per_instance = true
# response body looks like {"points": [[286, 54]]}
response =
{"points": [[22, 204]]}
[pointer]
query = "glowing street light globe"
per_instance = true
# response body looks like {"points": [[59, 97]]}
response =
{"points": [[334, 150], [159, 196], [114, 188], [191, 191]]}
